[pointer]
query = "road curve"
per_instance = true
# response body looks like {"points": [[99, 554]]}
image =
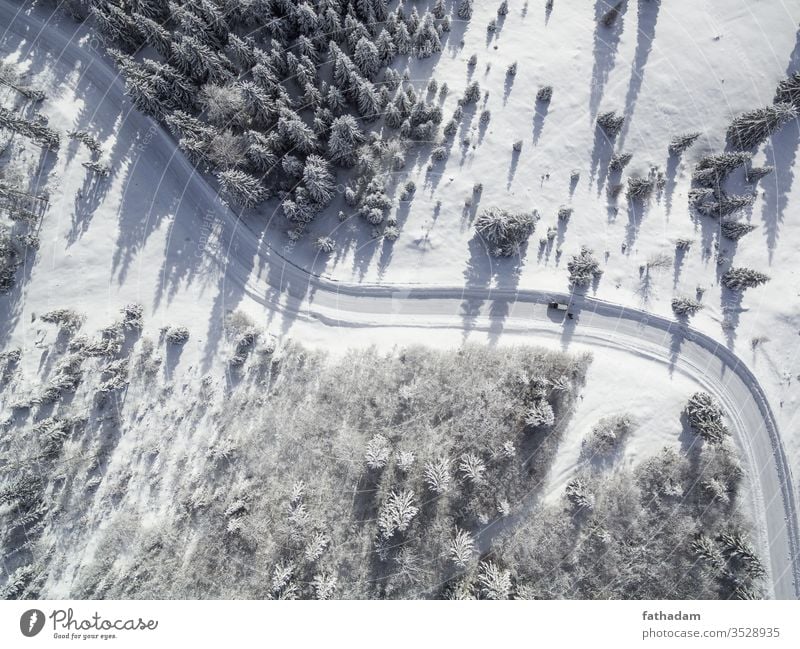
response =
{"points": [[297, 294]]}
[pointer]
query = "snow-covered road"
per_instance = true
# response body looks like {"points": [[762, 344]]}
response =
{"points": [[250, 268]]}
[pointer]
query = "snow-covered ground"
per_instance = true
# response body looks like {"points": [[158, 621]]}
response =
{"points": [[671, 68], [156, 234]]}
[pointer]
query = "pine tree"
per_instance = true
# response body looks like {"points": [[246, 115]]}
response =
{"points": [[685, 306], [242, 188], [704, 415], [318, 179], [461, 548], [465, 9], [712, 170], [438, 9], [473, 93], [367, 58], [610, 123], [426, 38], [583, 268], [735, 230], [788, 91], [402, 40], [750, 129], [680, 143], [386, 48], [344, 139], [305, 19], [437, 475], [739, 279]]}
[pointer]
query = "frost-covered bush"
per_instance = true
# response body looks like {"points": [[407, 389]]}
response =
{"points": [[750, 129], [504, 231], [607, 437], [540, 415], [177, 335], [68, 321], [132, 317], [579, 496], [583, 268], [704, 415], [325, 245], [611, 123], [397, 513], [544, 94], [378, 452]]}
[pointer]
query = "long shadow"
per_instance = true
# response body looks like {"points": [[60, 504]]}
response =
{"points": [[647, 17], [477, 274], [538, 119], [781, 152], [602, 150], [671, 180], [606, 41]]}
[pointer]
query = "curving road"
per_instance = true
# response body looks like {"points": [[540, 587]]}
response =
{"points": [[297, 294]]}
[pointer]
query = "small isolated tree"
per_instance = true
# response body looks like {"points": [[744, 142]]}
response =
{"points": [[685, 306], [619, 161], [735, 230], [611, 123], [242, 188], [640, 189], [750, 129], [504, 231], [473, 93], [465, 9], [704, 415], [325, 245], [544, 94], [739, 279], [583, 268], [680, 143]]}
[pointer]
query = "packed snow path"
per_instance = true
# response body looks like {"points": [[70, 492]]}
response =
{"points": [[295, 295]]}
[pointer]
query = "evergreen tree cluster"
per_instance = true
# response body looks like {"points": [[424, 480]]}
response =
{"points": [[272, 95]]}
